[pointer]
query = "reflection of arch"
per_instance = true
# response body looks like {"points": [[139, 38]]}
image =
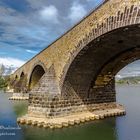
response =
{"points": [[37, 72], [91, 60]]}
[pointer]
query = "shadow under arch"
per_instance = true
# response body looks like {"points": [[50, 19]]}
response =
{"points": [[36, 74], [103, 88], [91, 60]]}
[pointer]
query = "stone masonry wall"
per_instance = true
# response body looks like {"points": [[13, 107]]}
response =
{"points": [[50, 107], [46, 98]]}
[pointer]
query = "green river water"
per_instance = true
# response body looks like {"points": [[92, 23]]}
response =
{"points": [[116, 128]]}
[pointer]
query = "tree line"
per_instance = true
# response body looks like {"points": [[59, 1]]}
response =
{"points": [[4, 78]]}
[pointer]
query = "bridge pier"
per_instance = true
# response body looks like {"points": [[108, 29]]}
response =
{"points": [[104, 89], [54, 111], [60, 107], [58, 110], [66, 121]]}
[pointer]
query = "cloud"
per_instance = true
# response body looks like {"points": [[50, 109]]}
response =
{"points": [[25, 31], [31, 51], [49, 14], [77, 11], [9, 61], [36, 4], [132, 69]]}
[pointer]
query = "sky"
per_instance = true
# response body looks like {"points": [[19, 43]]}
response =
{"points": [[28, 26], [132, 69]]}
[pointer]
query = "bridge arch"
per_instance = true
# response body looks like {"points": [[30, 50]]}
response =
{"points": [[128, 16], [91, 74], [37, 72]]}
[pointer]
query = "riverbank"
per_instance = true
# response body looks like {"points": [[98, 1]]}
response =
{"points": [[128, 81]]}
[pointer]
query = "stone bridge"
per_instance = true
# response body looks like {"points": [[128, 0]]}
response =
{"points": [[76, 73]]}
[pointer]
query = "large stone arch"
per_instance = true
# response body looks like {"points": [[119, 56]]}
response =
{"points": [[91, 60], [129, 15], [37, 72]]}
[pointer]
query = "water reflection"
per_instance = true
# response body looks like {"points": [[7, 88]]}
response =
{"points": [[8, 120], [128, 127], [99, 130]]}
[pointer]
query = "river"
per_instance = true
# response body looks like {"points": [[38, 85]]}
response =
{"points": [[116, 128]]}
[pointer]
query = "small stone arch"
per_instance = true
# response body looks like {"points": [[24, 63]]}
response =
{"points": [[22, 75], [16, 77], [37, 72]]}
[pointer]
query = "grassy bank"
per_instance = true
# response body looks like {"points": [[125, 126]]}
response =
{"points": [[128, 80]]}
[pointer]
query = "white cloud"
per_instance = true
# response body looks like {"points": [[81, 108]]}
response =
{"points": [[9, 61], [50, 14], [77, 11], [30, 51], [36, 4]]}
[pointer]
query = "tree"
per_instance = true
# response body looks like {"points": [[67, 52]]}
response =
{"points": [[2, 70], [3, 83]]}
